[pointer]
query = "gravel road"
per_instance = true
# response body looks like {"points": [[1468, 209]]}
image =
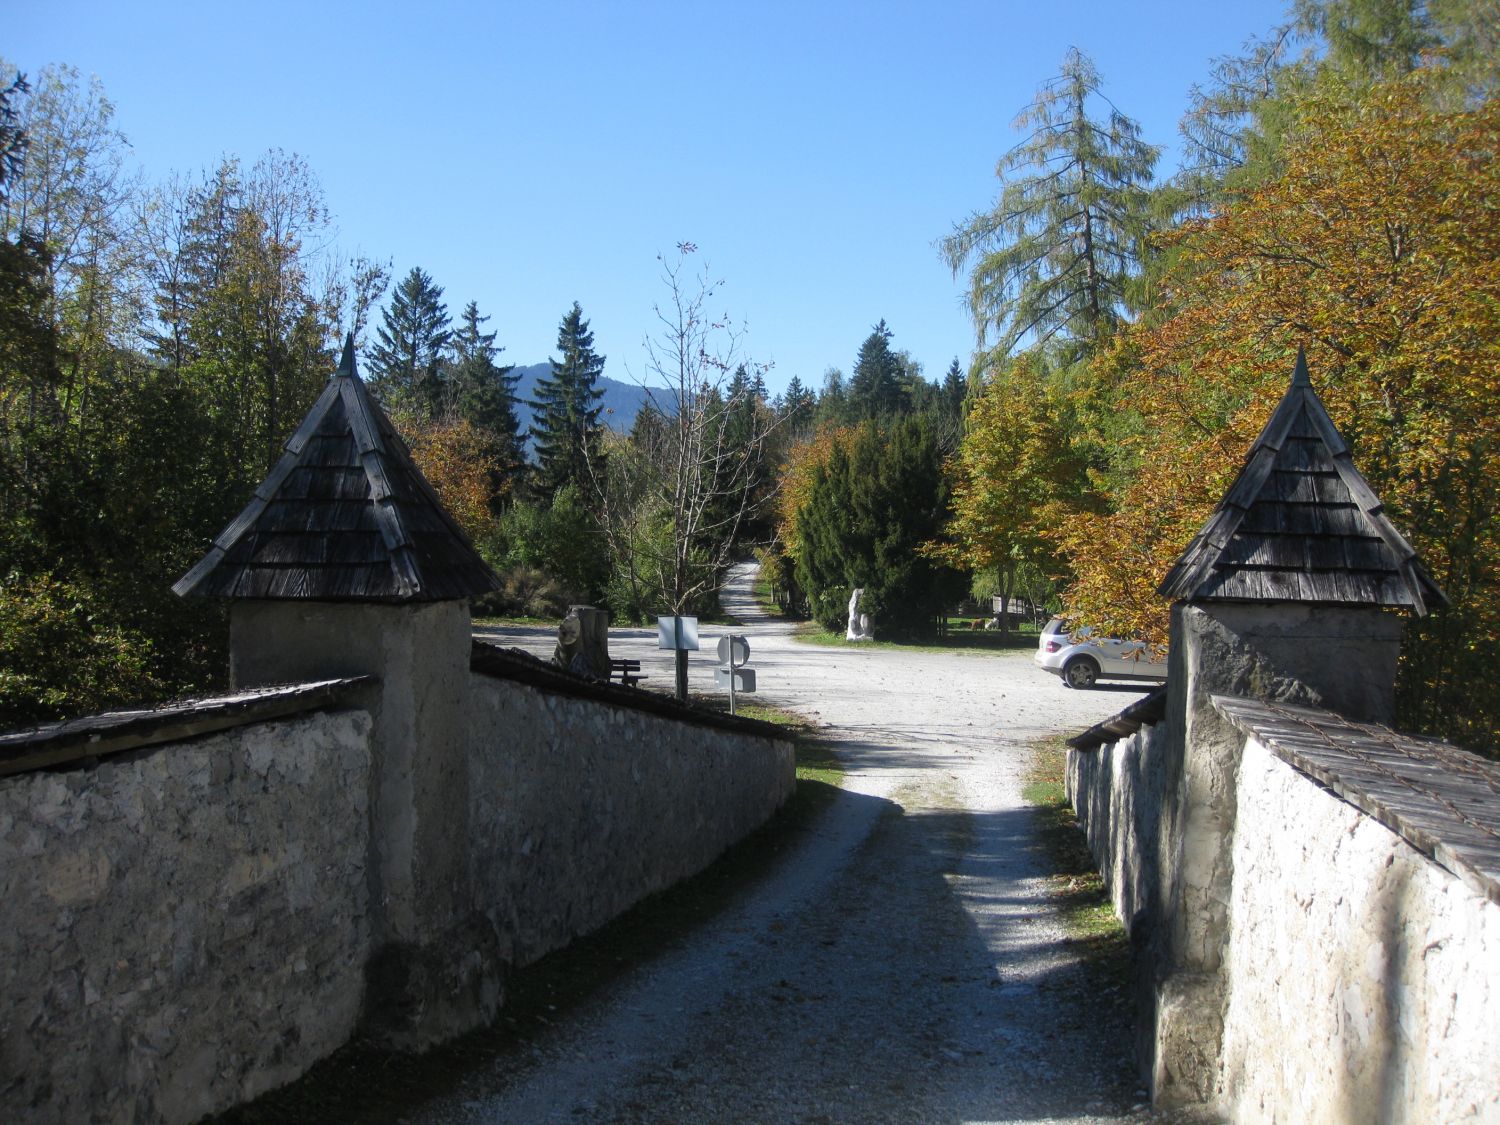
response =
{"points": [[903, 966]]}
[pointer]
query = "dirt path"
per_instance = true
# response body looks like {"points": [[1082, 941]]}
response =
{"points": [[904, 966]]}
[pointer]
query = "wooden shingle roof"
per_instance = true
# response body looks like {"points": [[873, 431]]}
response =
{"points": [[1300, 524], [344, 516]]}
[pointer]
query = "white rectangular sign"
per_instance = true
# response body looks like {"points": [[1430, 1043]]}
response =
{"points": [[677, 633]]}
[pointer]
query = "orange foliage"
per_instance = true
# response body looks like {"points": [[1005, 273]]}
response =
{"points": [[1379, 249], [453, 456], [797, 475]]}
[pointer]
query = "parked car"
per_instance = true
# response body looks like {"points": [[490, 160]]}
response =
{"points": [[1082, 658]]}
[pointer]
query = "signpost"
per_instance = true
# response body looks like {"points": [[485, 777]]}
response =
{"points": [[679, 634], [734, 654]]}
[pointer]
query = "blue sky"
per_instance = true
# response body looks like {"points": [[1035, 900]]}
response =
{"points": [[530, 155]]}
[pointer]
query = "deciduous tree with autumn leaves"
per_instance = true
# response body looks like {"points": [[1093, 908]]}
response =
{"points": [[1373, 241], [1378, 248]]}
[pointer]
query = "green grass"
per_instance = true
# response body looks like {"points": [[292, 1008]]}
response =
{"points": [[960, 638], [500, 622], [1074, 883], [362, 1083], [761, 592]]}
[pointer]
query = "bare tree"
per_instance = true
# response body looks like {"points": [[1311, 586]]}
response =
{"points": [[674, 505]]}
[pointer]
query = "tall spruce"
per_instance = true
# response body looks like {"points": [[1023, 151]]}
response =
{"points": [[567, 408], [12, 136], [876, 388], [485, 396], [1054, 255], [406, 364], [797, 402], [833, 403], [955, 388]]}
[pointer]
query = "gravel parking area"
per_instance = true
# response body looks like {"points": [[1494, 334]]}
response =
{"points": [[903, 966]]}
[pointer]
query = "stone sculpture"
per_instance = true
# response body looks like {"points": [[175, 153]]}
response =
{"points": [[583, 643], [859, 623]]}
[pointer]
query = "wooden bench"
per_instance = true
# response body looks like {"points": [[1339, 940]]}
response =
{"points": [[629, 671]]}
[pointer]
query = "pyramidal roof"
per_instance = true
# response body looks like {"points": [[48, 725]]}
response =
{"points": [[1300, 524], [344, 516]]}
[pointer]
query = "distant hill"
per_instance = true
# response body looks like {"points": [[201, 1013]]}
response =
{"points": [[622, 401]]}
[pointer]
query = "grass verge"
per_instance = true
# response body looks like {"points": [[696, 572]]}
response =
{"points": [[365, 1084], [764, 598], [1075, 884], [957, 640]]}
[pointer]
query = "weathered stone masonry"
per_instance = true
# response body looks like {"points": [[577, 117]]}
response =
{"points": [[185, 926], [1314, 901], [192, 923], [193, 918]]}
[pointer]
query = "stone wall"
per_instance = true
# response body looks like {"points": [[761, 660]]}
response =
{"points": [[581, 809], [1358, 976], [185, 927], [1125, 795], [1362, 976], [192, 924], [1119, 791]]}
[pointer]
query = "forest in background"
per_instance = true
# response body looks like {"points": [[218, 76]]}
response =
{"points": [[159, 341]]}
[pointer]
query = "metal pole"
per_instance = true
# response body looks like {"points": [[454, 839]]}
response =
{"points": [[681, 658]]}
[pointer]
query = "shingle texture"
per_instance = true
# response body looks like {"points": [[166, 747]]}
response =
{"points": [[344, 516], [1300, 524]]}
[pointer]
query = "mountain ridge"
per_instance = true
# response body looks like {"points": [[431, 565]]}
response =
{"points": [[621, 402]]}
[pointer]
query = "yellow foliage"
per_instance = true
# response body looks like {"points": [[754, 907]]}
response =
{"points": [[795, 486], [1378, 248], [454, 457], [1011, 470]]}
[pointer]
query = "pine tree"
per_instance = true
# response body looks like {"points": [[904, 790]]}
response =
{"points": [[798, 402], [879, 496], [12, 136], [233, 302], [876, 388], [955, 388], [485, 395], [833, 402], [406, 365], [1054, 255], [567, 409], [744, 469]]}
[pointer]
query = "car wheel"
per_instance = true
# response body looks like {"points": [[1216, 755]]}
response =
{"points": [[1080, 672]]}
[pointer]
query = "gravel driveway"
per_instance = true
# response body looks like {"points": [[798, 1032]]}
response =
{"points": [[903, 966]]}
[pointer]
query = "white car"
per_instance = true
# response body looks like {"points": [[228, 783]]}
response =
{"points": [[1082, 658]]}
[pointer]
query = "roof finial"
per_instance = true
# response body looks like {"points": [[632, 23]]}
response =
{"points": [[1299, 373], [346, 362]]}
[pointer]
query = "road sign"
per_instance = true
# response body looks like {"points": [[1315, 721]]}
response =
{"points": [[679, 633], [734, 650], [744, 679]]}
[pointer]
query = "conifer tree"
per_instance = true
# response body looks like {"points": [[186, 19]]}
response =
{"points": [[567, 409], [955, 389], [406, 364], [12, 136], [797, 403], [876, 388], [833, 401], [1054, 255], [876, 499], [485, 395]]}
